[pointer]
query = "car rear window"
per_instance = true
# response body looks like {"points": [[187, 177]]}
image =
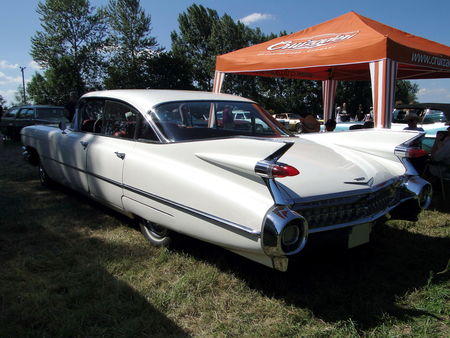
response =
{"points": [[194, 120]]}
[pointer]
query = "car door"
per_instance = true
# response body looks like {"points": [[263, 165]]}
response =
{"points": [[7, 121], [107, 152], [69, 148]]}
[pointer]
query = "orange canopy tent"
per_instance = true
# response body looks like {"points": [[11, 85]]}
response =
{"points": [[349, 47]]}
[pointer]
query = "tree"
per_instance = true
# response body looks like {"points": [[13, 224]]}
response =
{"points": [[54, 85], [39, 91], [18, 97], [130, 44], [360, 92], [406, 92], [202, 36], [167, 71], [72, 41], [354, 93], [196, 43]]}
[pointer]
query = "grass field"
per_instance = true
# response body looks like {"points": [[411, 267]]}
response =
{"points": [[70, 267]]}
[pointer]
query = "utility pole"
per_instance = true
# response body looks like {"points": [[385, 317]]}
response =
{"points": [[23, 84]]}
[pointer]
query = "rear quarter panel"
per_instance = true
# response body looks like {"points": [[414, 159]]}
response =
{"points": [[175, 173]]}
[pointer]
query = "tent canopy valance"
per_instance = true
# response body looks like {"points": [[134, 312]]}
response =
{"points": [[349, 47]]}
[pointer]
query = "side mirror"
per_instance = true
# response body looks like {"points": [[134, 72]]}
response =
{"points": [[62, 125]]}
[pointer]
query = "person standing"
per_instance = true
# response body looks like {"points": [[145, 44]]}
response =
{"points": [[71, 105], [440, 155], [412, 120], [360, 113], [310, 124], [330, 125]]}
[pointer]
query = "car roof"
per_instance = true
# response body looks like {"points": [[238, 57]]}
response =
{"points": [[146, 99]]}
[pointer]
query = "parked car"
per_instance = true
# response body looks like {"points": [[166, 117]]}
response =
{"points": [[433, 117], [290, 121], [16, 118], [161, 157]]}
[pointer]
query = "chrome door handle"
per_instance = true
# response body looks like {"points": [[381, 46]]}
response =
{"points": [[84, 144], [120, 155]]}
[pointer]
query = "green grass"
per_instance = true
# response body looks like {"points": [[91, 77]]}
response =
{"points": [[70, 267]]}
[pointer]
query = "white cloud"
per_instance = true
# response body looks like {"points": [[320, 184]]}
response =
{"points": [[441, 95], [34, 65], [6, 65], [255, 17], [8, 95], [5, 79]]}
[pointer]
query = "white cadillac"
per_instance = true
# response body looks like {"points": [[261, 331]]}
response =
{"points": [[179, 162]]}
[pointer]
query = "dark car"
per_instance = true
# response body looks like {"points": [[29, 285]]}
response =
{"points": [[16, 118]]}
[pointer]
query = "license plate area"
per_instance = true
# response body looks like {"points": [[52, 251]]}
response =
{"points": [[359, 234]]}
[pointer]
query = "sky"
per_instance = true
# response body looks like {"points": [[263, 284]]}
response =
{"points": [[428, 19]]}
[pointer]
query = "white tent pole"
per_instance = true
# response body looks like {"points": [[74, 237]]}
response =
{"points": [[383, 75], [328, 98], [218, 81]]}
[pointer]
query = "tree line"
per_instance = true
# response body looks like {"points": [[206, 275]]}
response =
{"points": [[81, 48]]}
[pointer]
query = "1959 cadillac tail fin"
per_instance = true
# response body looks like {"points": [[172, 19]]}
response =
{"points": [[183, 162]]}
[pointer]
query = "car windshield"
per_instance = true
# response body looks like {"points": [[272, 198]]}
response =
{"points": [[196, 120], [43, 113]]}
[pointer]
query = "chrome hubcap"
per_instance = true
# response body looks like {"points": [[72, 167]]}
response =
{"points": [[156, 230]]}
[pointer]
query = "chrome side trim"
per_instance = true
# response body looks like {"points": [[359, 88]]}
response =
{"points": [[280, 152], [241, 229], [261, 169], [400, 151], [276, 193], [226, 224]]}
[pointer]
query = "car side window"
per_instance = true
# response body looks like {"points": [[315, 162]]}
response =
{"points": [[434, 116], [119, 120], [45, 113], [91, 112], [145, 131], [11, 113], [26, 113]]}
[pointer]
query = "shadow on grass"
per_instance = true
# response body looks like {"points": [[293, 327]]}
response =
{"points": [[53, 280], [362, 284]]}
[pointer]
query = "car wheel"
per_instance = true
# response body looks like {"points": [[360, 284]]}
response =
{"points": [[156, 234], [299, 128], [45, 180]]}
